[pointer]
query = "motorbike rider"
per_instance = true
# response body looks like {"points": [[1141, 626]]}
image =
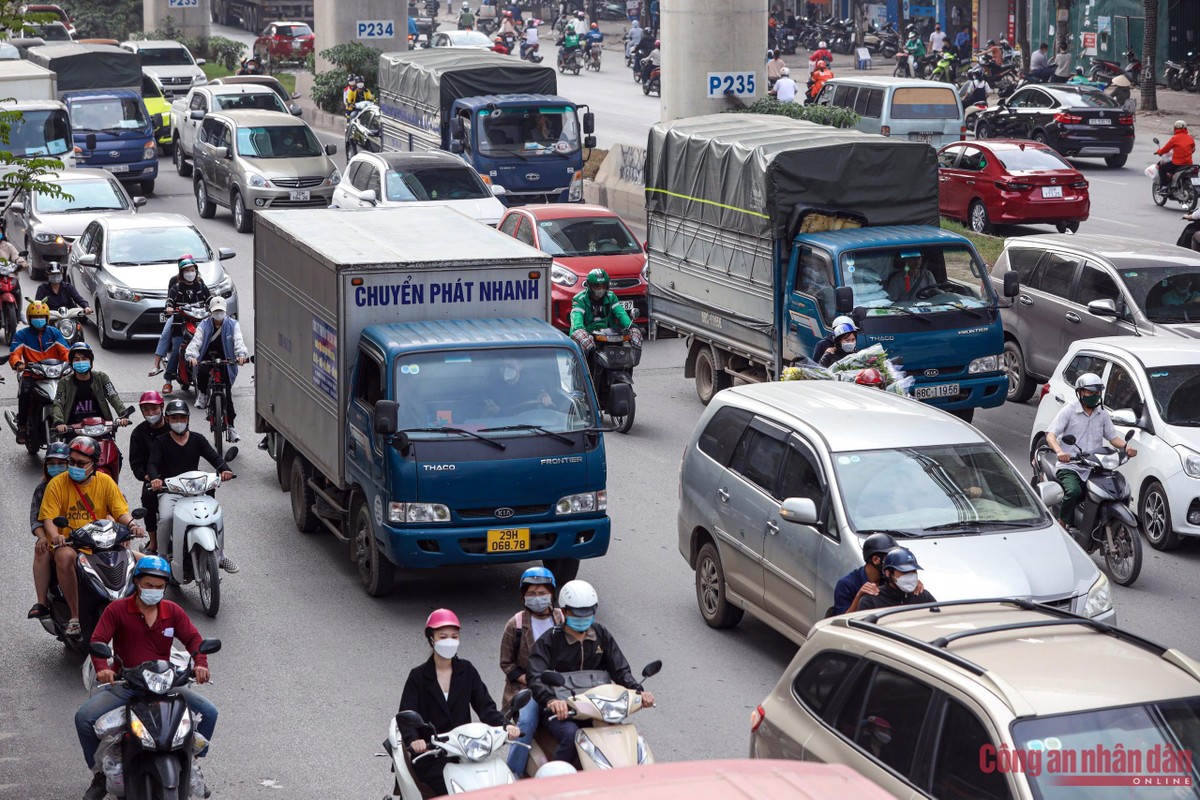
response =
{"points": [[1119, 90], [83, 495], [358, 92], [633, 37], [568, 44], [785, 89], [38, 341], [1181, 146], [817, 80], [443, 690], [580, 644], [218, 336], [642, 51], [596, 308], [826, 344], [901, 586], [1190, 237], [53, 465], [466, 20], [250, 66], [822, 53], [775, 68], [141, 627], [520, 633], [594, 38], [1079, 79], [531, 37], [652, 61], [79, 394], [507, 26], [141, 440], [916, 50], [9, 252], [866, 579], [1091, 425], [975, 89], [177, 452], [55, 293], [845, 342], [1063, 61], [186, 289], [1040, 65], [579, 24]]}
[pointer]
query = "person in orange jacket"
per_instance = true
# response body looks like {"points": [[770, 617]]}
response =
{"points": [[817, 80], [1180, 146]]}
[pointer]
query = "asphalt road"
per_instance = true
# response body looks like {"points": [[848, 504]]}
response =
{"points": [[312, 668]]}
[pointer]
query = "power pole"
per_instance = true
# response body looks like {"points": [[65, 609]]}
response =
{"points": [[1149, 53]]}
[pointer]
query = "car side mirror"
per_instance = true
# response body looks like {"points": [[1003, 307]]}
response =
{"points": [[209, 646], [1102, 308], [844, 299], [220, 152], [139, 201], [589, 122], [200, 62], [156, 120], [589, 142], [799, 510], [87, 260], [1124, 416], [197, 115], [498, 190], [369, 196], [387, 413], [553, 679], [90, 141], [226, 253], [1050, 492], [1012, 284], [651, 669], [296, 110], [457, 147], [17, 206], [100, 650], [331, 149]]}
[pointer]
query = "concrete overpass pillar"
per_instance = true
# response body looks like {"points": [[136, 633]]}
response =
{"points": [[709, 40], [193, 21], [382, 24]]}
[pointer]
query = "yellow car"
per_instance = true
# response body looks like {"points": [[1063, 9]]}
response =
{"points": [[157, 103]]}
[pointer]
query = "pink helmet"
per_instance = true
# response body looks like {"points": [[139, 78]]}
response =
{"points": [[151, 398], [441, 618]]}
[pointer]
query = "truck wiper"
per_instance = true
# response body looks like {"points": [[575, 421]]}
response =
{"points": [[904, 310], [974, 312], [486, 440], [527, 427]]}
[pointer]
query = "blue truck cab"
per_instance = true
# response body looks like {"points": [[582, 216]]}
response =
{"points": [[115, 133]]}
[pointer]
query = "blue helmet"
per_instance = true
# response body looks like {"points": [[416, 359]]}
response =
{"points": [[155, 566], [56, 450], [902, 560], [537, 576]]}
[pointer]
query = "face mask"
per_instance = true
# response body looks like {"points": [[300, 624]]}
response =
{"points": [[189, 275], [77, 473], [38, 323], [82, 367], [54, 470], [151, 597], [581, 624], [154, 419], [218, 317], [538, 603], [510, 374], [599, 294], [179, 427], [848, 345], [907, 582], [446, 648], [56, 279], [1091, 401]]}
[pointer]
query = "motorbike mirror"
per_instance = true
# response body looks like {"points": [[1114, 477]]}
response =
{"points": [[651, 669], [1012, 283], [1124, 416], [23, 253], [1050, 492], [843, 299], [1068, 439], [100, 650], [138, 513], [209, 646], [386, 414], [520, 700], [1155, 140], [128, 412], [230, 455], [410, 719], [553, 679]]}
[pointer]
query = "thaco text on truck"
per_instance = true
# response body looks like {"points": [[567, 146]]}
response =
{"points": [[501, 115], [44, 129], [416, 399], [763, 229]]}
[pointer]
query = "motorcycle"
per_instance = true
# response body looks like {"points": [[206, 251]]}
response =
{"points": [[593, 56], [789, 41], [653, 83], [509, 41], [569, 59], [1189, 230], [10, 314], [612, 370], [611, 742], [529, 52], [883, 41], [946, 67], [104, 432], [198, 533], [1103, 520], [475, 749], [69, 322], [1103, 71], [904, 65], [1184, 187], [45, 375], [192, 315], [154, 736], [104, 573]]}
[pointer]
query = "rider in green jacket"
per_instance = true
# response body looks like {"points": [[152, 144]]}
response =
{"points": [[596, 308]]}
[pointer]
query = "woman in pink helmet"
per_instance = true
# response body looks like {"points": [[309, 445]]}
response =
{"points": [[443, 691]]}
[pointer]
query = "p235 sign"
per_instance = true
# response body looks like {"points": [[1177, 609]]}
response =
{"points": [[375, 29], [738, 84], [183, 3]]}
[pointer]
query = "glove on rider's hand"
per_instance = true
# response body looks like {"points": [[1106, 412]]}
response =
{"points": [[635, 336], [584, 340]]}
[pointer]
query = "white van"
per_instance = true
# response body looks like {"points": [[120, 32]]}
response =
{"points": [[922, 111]]}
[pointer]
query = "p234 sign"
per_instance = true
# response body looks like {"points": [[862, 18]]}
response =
{"points": [[375, 29]]}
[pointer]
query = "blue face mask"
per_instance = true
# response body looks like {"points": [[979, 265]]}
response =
{"points": [[151, 597], [54, 470], [581, 624], [38, 323], [82, 367], [77, 473]]}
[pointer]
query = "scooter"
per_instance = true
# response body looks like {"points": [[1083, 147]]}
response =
{"points": [[1103, 71], [789, 41], [653, 83], [192, 315], [611, 742], [9, 313], [904, 68], [1184, 187], [475, 749], [612, 373], [946, 67], [529, 52], [45, 375], [1189, 230], [104, 432], [69, 322], [571, 60], [198, 534], [593, 56], [148, 747], [1103, 520]]}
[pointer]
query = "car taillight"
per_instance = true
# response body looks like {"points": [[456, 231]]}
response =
{"points": [[1045, 391], [1125, 119], [962, 133], [1013, 187], [1079, 184], [1063, 118], [757, 717], [886, 130]]}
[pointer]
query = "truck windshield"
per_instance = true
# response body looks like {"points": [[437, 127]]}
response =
{"points": [[109, 114], [530, 131], [435, 183], [542, 387], [278, 141], [138, 246], [40, 133], [165, 57], [916, 279]]}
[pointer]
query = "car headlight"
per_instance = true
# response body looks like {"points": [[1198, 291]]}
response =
{"points": [[181, 733], [256, 181], [224, 286], [591, 751], [582, 503], [116, 291], [139, 729], [612, 711], [150, 151], [563, 276], [646, 271], [200, 80], [335, 177], [1099, 598], [984, 364], [576, 192], [1191, 461], [418, 512], [48, 238], [475, 749]]}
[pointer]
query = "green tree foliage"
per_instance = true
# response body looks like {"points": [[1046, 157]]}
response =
{"points": [[822, 115], [107, 19]]}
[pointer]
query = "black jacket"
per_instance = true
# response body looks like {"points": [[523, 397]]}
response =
{"points": [[141, 442], [423, 695], [179, 294], [889, 596], [67, 296], [554, 651]]}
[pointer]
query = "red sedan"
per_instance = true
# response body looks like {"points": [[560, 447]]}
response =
{"points": [[283, 42], [1010, 182], [582, 238]]}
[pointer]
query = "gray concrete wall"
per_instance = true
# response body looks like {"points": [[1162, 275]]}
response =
{"points": [[195, 21], [713, 36], [336, 22]]}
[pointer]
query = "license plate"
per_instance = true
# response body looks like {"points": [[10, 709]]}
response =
{"points": [[941, 390], [1195, 181], [116, 167], [1051, 191], [508, 540], [629, 306], [298, 197], [1100, 121], [927, 138]]}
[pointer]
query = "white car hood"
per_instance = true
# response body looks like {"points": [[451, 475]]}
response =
{"points": [[154, 278], [487, 210], [178, 71]]}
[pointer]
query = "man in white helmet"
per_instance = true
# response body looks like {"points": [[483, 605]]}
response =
{"points": [[785, 88], [578, 645]]}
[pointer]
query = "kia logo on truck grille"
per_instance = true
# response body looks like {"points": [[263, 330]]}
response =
{"points": [[931, 373], [505, 512], [532, 176]]}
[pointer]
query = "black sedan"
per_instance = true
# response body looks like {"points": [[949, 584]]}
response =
{"points": [[1077, 121], [363, 133]]}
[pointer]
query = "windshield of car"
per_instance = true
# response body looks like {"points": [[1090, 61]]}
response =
{"points": [[588, 236], [162, 245], [1086, 99], [1089, 742], [949, 487], [40, 133], [917, 279], [529, 131], [932, 102], [1030, 158], [476, 390], [1176, 392], [97, 195], [165, 57], [109, 114], [9, 52], [435, 183], [1165, 294], [293, 30], [469, 38], [51, 32], [278, 141], [259, 101]]}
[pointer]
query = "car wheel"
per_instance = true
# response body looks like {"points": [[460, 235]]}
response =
{"points": [[1020, 385], [106, 341], [182, 167], [982, 130], [1155, 512], [204, 204], [1116, 162], [978, 217], [1064, 227], [711, 590], [242, 219]]}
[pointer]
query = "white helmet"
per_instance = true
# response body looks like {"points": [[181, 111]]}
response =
{"points": [[1090, 381], [578, 595], [1180, 125], [842, 320], [785, 71], [821, 45], [550, 769]]}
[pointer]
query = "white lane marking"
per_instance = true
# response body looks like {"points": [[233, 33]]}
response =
{"points": [[1115, 222]]}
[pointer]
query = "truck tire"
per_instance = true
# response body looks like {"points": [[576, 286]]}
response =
{"points": [[709, 378], [564, 569], [303, 497], [965, 414], [374, 570]]}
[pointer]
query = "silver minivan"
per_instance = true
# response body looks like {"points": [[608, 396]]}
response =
{"points": [[917, 110], [781, 482]]}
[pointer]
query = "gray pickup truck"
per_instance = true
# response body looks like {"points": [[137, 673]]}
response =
{"points": [[188, 111]]}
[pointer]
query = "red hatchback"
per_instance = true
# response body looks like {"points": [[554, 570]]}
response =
{"points": [[1010, 182], [284, 42], [582, 238]]}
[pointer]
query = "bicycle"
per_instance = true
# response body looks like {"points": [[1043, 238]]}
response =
{"points": [[216, 413]]}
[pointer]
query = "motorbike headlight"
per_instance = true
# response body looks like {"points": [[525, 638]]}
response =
{"points": [[611, 710], [563, 276], [256, 181], [66, 327], [116, 291], [158, 682], [576, 192], [418, 512], [139, 730], [48, 238], [582, 503], [94, 430], [55, 371], [1109, 461], [984, 364], [111, 723], [591, 751], [1099, 598], [475, 749], [181, 733], [105, 537], [1191, 461]]}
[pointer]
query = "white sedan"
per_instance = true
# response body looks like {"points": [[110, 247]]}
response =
{"points": [[1158, 380], [469, 39], [386, 180]]}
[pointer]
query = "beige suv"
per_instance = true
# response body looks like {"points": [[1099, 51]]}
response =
{"points": [[933, 701]]}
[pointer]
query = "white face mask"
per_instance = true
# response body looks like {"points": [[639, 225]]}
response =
{"points": [[848, 345], [446, 648], [218, 317], [907, 582], [179, 427], [189, 275]]}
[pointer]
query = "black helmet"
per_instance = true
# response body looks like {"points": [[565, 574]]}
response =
{"points": [[177, 408], [54, 268], [81, 347], [877, 544]]}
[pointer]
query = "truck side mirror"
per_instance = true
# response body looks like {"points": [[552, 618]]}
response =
{"points": [[844, 299], [589, 123], [386, 414], [197, 115], [90, 141], [1012, 284], [458, 128], [456, 146], [16, 207], [589, 142]]}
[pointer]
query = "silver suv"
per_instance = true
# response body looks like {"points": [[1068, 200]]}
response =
{"points": [[1084, 286], [842, 462], [251, 161]]}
